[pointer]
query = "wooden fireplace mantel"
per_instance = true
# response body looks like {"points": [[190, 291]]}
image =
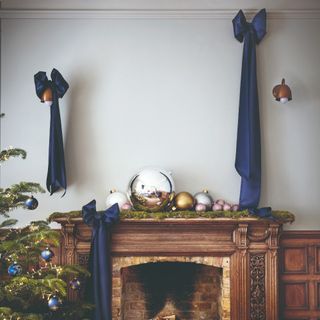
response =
{"points": [[252, 245]]}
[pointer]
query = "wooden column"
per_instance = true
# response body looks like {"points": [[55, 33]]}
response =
{"points": [[239, 278], [69, 255], [272, 272]]}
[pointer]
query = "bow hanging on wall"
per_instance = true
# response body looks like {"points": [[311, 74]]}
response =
{"points": [[49, 91], [248, 153], [99, 289]]}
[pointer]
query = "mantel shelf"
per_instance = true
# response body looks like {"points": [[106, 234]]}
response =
{"points": [[188, 217]]}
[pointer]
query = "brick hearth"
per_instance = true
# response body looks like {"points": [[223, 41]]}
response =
{"points": [[210, 298]]}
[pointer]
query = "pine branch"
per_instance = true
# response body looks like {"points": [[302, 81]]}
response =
{"points": [[74, 271], [25, 245], [53, 285], [8, 223], [23, 187], [15, 197], [11, 153]]}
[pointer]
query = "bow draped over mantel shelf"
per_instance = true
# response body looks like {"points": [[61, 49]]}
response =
{"points": [[248, 152], [56, 177], [99, 287]]}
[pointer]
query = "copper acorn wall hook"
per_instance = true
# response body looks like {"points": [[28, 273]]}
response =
{"points": [[282, 92], [47, 97]]}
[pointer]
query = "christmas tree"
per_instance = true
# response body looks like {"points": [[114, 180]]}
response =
{"points": [[32, 287]]}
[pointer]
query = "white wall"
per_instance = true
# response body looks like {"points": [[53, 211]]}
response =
{"points": [[157, 88]]}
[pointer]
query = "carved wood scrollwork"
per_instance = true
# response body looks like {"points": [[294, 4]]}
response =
{"points": [[83, 259], [259, 238], [274, 236], [257, 287], [240, 236]]}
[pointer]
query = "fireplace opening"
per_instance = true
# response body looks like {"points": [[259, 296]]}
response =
{"points": [[171, 290]]}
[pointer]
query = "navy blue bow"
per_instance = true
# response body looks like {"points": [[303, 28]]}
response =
{"points": [[56, 177], [248, 154], [99, 289], [256, 29]]}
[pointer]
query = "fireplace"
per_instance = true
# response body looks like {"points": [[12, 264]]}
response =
{"points": [[157, 287], [231, 267]]}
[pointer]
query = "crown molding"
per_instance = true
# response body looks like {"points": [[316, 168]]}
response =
{"points": [[153, 14]]}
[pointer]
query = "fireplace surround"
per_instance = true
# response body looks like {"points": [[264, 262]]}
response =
{"points": [[244, 250]]}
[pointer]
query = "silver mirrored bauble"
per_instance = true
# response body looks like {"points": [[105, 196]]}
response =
{"points": [[204, 198], [151, 190]]}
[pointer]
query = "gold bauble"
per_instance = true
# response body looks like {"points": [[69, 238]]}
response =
{"points": [[184, 201]]}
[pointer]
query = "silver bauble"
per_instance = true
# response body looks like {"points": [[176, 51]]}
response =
{"points": [[151, 190], [204, 198], [116, 197]]}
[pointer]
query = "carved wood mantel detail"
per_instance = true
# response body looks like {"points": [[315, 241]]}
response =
{"points": [[250, 244], [257, 287]]}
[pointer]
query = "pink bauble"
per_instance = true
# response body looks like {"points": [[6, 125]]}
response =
{"points": [[226, 207], [217, 207], [200, 207], [126, 206], [235, 207], [220, 201]]}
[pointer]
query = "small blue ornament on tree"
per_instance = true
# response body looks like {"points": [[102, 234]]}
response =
{"points": [[14, 269], [54, 303], [31, 203], [47, 255], [75, 284]]}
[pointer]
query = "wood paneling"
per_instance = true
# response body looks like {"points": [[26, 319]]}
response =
{"points": [[294, 260], [317, 261], [296, 295], [300, 275], [318, 295]]}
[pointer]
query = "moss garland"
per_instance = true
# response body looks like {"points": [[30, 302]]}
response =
{"points": [[281, 216]]}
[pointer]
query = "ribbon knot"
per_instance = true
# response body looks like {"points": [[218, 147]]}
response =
{"points": [[91, 216], [257, 28], [58, 84]]}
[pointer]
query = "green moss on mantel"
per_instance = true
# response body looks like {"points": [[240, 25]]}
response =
{"points": [[281, 216]]}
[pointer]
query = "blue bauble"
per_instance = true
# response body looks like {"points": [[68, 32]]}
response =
{"points": [[47, 254], [54, 303], [75, 284], [31, 203], [14, 269]]}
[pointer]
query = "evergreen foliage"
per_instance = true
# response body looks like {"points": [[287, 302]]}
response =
{"points": [[15, 196], [25, 296], [12, 152]]}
